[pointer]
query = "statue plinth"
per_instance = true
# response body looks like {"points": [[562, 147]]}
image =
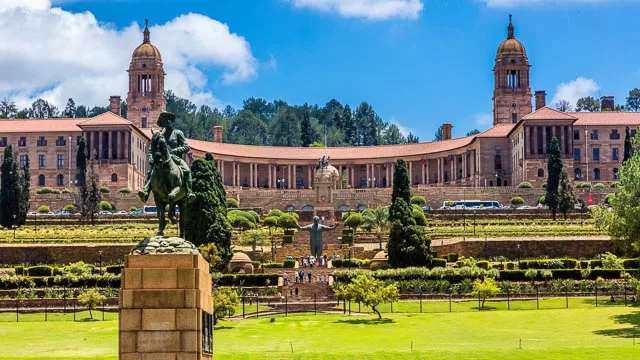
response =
{"points": [[166, 306], [325, 182]]}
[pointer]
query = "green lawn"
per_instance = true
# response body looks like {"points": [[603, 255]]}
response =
{"points": [[582, 332]]}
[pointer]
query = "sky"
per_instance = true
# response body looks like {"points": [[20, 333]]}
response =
{"points": [[419, 63]]}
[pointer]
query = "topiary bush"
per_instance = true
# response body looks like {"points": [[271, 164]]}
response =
{"points": [[69, 191], [583, 185], [69, 208], [289, 264], [418, 200], [232, 203], [598, 186], [437, 262], [418, 215], [517, 200], [40, 270], [525, 185], [105, 205], [452, 257], [544, 185], [614, 184], [608, 198], [287, 221], [275, 212], [105, 189], [125, 191], [483, 264], [43, 209], [133, 208], [543, 199], [47, 190]]}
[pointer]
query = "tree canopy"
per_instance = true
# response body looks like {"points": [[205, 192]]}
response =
{"points": [[554, 170]]}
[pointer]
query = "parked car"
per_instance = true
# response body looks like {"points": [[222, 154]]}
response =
{"points": [[32, 213], [121, 213], [104, 212], [63, 213]]}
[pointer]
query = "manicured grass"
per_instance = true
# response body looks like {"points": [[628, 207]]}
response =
{"points": [[582, 332]]}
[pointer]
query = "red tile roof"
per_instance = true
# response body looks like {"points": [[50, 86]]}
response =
{"points": [[607, 118], [9, 126], [498, 131], [547, 113], [105, 119]]}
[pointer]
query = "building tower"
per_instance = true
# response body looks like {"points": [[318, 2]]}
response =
{"points": [[145, 100], [512, 93]]}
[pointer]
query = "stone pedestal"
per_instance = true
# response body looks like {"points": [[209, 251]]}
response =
{"points": [[166, 308]]}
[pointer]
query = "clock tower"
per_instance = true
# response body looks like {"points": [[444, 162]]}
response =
{"points": [[145, 100], [512, 92]]}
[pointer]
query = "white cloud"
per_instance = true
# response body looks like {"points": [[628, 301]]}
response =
{"points": [[574, 90], [55, 54], [369, 9], [403, 130], [521, 3], [483, 119]]}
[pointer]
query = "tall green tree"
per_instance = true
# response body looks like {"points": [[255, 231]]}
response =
{"points": [[8, 109], [81, 111], [563, 105], [285, 128], [25, 194], [392, 136], [628, 147], [412, 139], [437, 136], [473, 132], [307, 135], [567, 198], [349, 126], [93, 195], [207, 222], [69, 109], [633, 100], [248, 129], [554, 170], [10, 191], [81, 160], [588, 103], [408, 244], [42, 109]]}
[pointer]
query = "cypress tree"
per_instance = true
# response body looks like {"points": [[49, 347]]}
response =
{"points": [[408, 244], [207, 221], [81, 160], [93, 196], [349, 126], [566, 195], [306, 131], [628, 147], [25, 182], [554, 170], [10, 192]]}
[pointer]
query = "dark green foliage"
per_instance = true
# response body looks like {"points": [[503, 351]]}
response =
{"points": [[19, 270], [287, 221], [554, 170], [25, 194], [231, 203], [565, 263], [408, 244], [631, 263], [483, 264], [114, 269], [206, 221], [511, 266], [437, 262], [307, 133], [594, 264], [105, 189], [245, 279], [418, 200], [628, 147], [525, 185], [452, 257], [94, 196], [41, 270], [275, 212], [289, 264], [10, 189], [566, 196]]}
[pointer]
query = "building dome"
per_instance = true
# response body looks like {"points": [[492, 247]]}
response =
{"points": [[511, 46], [327, 174], [146, 51], [240, 257]]}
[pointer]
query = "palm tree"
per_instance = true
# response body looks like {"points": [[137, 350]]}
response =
{"points": [[378, 219]]}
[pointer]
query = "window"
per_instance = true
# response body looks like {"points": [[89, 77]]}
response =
{"points": [[60, 180], [22, 141], [114, 177], [40, 180], [144, 122], [42, 163], [61, 141], [512, 79], [298, 169], [78, 179], [498, 148], [299, 183], [576, 154], [576, 134], [3, 141], [60, 161], [514, 118], [577, 174], [497, 162], [596, 174], [594, 135], [614, 154], [615, 135], [363, 182], [23, 161], [42, 141], [363, 168], [540, 172], [596, 154], [615, 173]]}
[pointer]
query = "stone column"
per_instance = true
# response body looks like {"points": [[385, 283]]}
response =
{"points": [[234, 174], [426, 172], [544, 140], [310, 179], [352, 176], [270, 181], [166, 308], [422, 171], [110, 145], [393, 168], [99, 142], [410, 173], [251, 175]]}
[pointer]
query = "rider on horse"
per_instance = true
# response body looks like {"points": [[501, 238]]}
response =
{"points": [[178, 146]]}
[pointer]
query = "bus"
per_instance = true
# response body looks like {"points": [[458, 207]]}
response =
{"points": [[471, 204], [149, 209]]}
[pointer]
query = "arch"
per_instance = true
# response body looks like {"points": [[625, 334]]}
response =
{"points": [[41, 180], [361, 207], [614, 173], [60, 180], [497, 162], [114, 177], [577, 174], [596, 174], [299, 182], [343, 208], [540, 172], [307, 208], [290, 208]]}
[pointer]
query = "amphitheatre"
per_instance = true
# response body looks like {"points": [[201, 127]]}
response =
{"points": [[444, 249]]}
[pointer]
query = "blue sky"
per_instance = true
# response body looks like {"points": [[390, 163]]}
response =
{"points": [[418, 62]]}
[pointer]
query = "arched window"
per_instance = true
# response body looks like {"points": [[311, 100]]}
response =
{"points": [[41, 181], [363, 182], [497, 162], [540, 172], [60, 180], [596, 174], [290, 208], [615, 173], [114, 177], [307, 208], [577, 174], [343, 208], [361, 208], [299, 183]]}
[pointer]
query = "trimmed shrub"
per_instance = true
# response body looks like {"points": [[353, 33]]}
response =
{"points": [[567, 274], [605, 274], [448, 203], [418, 200], [584, 264], [275, 212], [105, 205], [125, 191], [483, 264], [608, 198], [270, 221], [69, 191], [452, 257], [544, 185], [615, 184], [255, 216], [114, 269], [232, 203], [133, 208], [437, 262], [40, 270], [105, 189], [289, 264], [47, 190], [245, 279], [19, 270], [594, 264], [512, 275], [273, 265], [418, 215], [43, 209], [498, 266], [548, 264], [525, 185], [287, 239], [631, 263], [69, 208], [583, 185], [598, 186], [543, 199], [517, 200], [287, 221], [511, 266]]}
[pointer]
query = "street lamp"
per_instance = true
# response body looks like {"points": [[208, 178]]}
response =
{"points": [[100, 255], [518, 246], [14, 227]]}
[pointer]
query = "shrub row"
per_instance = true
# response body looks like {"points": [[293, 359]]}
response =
{"points": [[245, 279], [548, 264], [354, 263], [15, 282]]}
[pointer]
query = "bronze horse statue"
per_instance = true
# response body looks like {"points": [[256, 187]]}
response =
{"points": [[167, 185]]}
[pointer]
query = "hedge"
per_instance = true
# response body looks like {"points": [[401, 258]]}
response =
{"points": [[47, 190], [289, 264], [125, 191], [105, 189], [595, 264], [273, 265], [453, 257], [631, 263], [499, 266], [41, 270], [245, 279], [548, 264], [287, 239], [583, 185], [345, 263], [483, 264], [232, 203], [16, 282], [525, 185], [114, 269], [437, 262], [43, 209]]}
